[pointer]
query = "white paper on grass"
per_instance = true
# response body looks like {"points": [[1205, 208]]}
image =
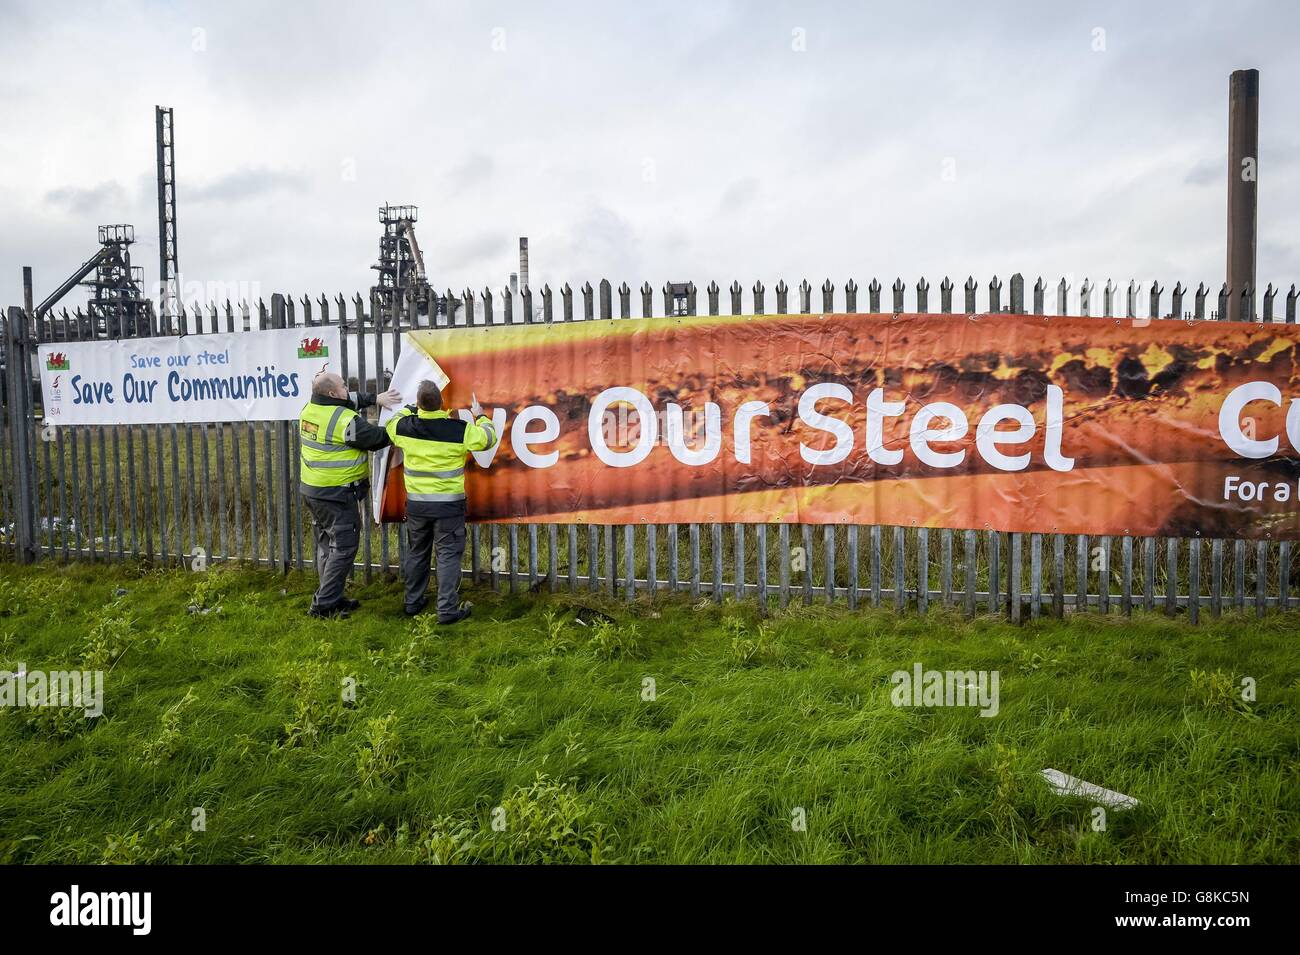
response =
{"points": [[1063, 784], [413, 366]]}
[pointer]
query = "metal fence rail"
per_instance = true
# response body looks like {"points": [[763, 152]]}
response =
{"points": [[174, 494]]}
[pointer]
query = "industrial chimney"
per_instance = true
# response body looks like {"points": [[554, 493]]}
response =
{"points": [[1243, 174]]}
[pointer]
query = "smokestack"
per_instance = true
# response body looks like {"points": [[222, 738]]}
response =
{"points": [[1243, 167], [523, 261]]}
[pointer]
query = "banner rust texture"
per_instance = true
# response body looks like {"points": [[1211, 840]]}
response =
{"points": [[1006, 422]]}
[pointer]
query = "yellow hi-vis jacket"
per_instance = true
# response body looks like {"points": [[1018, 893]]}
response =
{"points": [[327, 461], [434, 449]]}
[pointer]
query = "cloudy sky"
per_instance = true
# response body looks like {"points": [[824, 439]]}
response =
{"points": [[663, 141]]}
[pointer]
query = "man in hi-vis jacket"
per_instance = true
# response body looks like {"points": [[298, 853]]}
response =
{"points": [[335, 475], [435, 447]]}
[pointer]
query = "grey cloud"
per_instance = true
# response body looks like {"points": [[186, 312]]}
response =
{"points": [[248, 183], [1205, 173], [739, 194], [472, 253], [475, 170], [106, 197]]}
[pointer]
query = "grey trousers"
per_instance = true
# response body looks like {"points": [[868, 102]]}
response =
{"points": [[446, 537], [338, 533]]}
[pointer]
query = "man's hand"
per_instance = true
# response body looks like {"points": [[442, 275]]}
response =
{"points": [[390, 398], [475, 408]]}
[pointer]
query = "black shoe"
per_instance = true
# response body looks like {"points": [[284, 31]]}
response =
{"points": [[417, 608], [458, 616], [347, 603], [338, 611]]}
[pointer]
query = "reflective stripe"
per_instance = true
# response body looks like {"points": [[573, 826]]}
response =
{"points": [[491, 433], [435, 497], [334, 419], [327, 459], [456, 472], [350, 463]]}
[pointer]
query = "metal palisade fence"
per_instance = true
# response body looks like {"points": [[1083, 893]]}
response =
{"points": [[181, 494]]}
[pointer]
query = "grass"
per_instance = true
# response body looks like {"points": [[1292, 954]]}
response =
{"points": [[574, 729]]}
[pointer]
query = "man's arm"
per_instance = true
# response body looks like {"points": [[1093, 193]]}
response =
{"points": [[391, 425], [364, 436], [480, 435]]}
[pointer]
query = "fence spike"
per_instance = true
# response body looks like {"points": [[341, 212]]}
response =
{"points": [[969, 288], [1085, 297], [782, 297], [758, 298], [606, 299], [850, 296], [713, 291], [995, 295], [873, 296], [897, 289], [828, 296], [624, 300], [945, 295], [736, 291], [1176, 301], [1269, 294], [566, 302], [1201, 293], [1018, 293], [805, 297], [1290, 305], [548, 304], [1040, 291]]}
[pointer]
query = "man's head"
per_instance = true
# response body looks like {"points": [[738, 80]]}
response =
{"points": [[428, 397], [328, 385]]}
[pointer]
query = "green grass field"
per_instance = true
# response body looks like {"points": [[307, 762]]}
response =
{"points": [[530, 733]]}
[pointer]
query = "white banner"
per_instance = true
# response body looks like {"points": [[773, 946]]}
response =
{"points": [[415, 365], [240, 376]]}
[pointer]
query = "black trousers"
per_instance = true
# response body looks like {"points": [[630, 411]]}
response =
{"points": [[338, 533], [445, 538]]}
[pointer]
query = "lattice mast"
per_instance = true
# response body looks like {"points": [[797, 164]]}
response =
{"points": [[168, 269]]}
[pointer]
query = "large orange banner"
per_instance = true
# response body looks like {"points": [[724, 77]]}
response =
{"points": [[1007, 422]]}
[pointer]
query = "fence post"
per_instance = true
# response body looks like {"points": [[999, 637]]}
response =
{"points": [[285, 503], [18, 367]]}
